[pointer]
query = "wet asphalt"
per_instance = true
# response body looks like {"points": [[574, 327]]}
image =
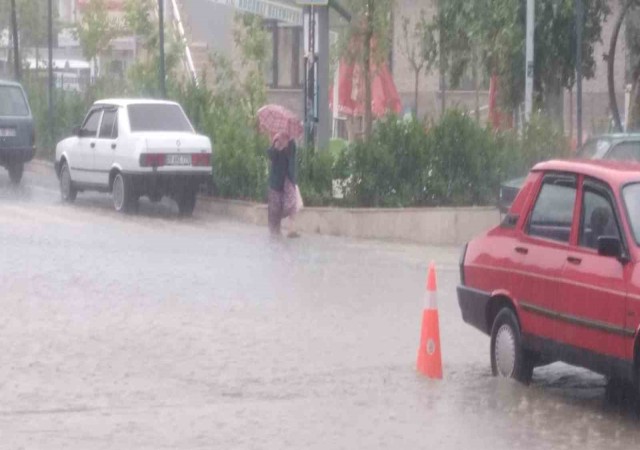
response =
{"points": [[151, 331]]}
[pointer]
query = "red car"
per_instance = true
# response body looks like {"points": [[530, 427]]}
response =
{"points": [[559, 279]]}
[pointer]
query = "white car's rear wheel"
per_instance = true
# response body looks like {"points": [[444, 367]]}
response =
{"points": [[187, 202], [67, 192], [124, 199]]}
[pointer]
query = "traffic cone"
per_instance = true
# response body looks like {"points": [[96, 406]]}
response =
{"points": [[429, 355]]}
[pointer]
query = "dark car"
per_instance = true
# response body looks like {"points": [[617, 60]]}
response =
{"points": [[17, 138], [618, 147]]}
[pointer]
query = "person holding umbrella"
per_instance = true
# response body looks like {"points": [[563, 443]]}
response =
{"points": [[284, 198]]}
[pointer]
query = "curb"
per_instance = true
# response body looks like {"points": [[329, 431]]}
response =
{"points": [[426, 226]]}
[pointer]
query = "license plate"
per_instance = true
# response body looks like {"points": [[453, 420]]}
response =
{"points": [[178, 160], [7, 132]]}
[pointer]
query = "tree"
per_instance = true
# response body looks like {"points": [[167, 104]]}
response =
{"points": [[32, 25], [96, 30], [632, 31], [250, 38], [367, 44], [495, 29], [418, 44]]}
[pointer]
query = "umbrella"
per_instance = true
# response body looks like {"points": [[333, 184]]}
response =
{"points": [[275, 119]]}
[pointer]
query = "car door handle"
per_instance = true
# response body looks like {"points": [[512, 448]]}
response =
{"points": [[92, 145], [522, 250], [113, 146], [574, 260]]}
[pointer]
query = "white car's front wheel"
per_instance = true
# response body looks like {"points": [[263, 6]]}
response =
{"points": [[124, 199], [67, 192]]}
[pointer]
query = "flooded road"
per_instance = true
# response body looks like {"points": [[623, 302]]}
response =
{"points": [[151, 331]]}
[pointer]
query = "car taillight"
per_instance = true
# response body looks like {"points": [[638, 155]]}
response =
{"points": [[152, 159], [201, 159]]}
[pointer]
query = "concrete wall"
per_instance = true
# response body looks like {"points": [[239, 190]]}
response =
{"points": [[431, 226]]}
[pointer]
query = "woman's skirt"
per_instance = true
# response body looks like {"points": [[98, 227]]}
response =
{"points": [[283, 204]]}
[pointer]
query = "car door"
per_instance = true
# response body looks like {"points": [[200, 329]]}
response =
{"points": [[106, 145], [541, 251], [593, 299], [82, 155]]}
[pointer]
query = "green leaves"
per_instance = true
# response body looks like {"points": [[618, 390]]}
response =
{"points": [[97, 29], [495, 31], [453, 163]]}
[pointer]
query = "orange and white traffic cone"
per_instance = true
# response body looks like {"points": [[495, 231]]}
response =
{"points": [[429, 354]]}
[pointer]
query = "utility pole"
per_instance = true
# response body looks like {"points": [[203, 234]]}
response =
{"points": [[579, 27], [443, 60], [324, 128], [16, 45], [50, 68], [529, 65], [162, 75]]}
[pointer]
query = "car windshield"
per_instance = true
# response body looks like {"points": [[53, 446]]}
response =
{"points": [[12, 102], [158, 117], [594, 149], [631, 195]]}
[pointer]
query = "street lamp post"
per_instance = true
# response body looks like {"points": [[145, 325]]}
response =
{"points": [[16, 46], [529, 65], [163, 88], [50, 68], [579, 27]]}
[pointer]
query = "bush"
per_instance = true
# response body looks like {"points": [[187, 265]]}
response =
{"points": [[239, 151], [69, 110], [315, 175], [454, 162], [465, 162], [391, 169]]}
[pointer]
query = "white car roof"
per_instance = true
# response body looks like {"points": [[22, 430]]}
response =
{"points": [[133, 101]]}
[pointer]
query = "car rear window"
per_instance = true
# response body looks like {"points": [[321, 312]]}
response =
{"points": [[625, 151], [158, 117], [13, 102], [594, 149]]}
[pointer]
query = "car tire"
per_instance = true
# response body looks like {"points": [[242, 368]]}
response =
{"points": [[68, 193], [508, 358], [187, 202], [124, 198], [15, 172]]}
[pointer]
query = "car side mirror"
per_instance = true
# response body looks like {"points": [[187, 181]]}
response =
{"points": [[76, 131], [609, 246]]}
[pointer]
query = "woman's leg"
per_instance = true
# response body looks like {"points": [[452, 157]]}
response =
{"points": [[275, 211]]}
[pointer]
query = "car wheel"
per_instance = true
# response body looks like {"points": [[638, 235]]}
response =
{"points": [[15, 172], [124, 199], [67, 191], [187, 202], [508, 358]]}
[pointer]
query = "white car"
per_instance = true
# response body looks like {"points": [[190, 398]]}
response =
{"points": [[135, 148]]}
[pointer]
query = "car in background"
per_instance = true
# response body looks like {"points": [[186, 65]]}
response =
{"points": [[134, 148], [619, 147], [17, 132], [559, 279]]}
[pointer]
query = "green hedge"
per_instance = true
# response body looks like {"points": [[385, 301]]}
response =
{"points": [[454, 162]]}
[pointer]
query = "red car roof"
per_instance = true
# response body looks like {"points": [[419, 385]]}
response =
{"points": [[614, 172]]}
